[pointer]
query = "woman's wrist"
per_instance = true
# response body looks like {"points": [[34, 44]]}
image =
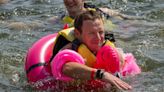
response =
{"points": [[93, 74], [97, 74]]}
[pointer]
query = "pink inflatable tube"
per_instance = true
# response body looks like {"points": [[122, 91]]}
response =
{"points": [[60, 59], [43, 75], [37, 69], [130, 67], [108, 59]]}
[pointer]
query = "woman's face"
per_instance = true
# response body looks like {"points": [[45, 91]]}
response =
{"points": [[74, 5], [92, 34]]}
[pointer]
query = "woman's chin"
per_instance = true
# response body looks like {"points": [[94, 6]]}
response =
{"points": [[96, 49]]}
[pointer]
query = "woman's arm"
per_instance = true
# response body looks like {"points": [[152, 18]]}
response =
{"points": [[115, 13], [79, 71]]}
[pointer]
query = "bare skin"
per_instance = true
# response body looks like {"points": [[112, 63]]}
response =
{"points": [[74, 7], [92, 34]]}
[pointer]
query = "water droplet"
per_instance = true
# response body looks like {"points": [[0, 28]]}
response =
{"points": [[15, 77]]}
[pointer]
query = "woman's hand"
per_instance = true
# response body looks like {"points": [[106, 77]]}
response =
{"points": [[107, 77]]}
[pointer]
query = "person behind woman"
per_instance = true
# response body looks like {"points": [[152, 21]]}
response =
{"points": [[89, 31], [76, 7]]}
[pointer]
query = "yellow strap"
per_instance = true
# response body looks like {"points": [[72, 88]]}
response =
{"points": [[68, 20], [87, 55], [68, 33], [91, 9], [109, 43]]}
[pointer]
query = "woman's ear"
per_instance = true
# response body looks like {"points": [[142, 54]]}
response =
{"points": [[77, 33]]}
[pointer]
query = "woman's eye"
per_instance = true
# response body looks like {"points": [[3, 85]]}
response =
{"points": [[90, 33], [101, 32]]}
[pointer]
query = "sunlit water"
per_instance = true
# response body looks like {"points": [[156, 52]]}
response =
{"points": [[144, 38]]}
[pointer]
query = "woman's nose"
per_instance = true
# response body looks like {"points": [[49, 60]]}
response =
{"points": [[98, 36]]}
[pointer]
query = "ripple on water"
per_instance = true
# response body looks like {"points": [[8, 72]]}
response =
{"points": [[4, 35], [149, 81], [155, 54], [5, 14], [156, 14], [150, 58], [11, 72]]}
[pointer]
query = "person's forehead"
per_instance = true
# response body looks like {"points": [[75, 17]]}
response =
{"points": [[92, 23], [73, 0], [97, 20]]}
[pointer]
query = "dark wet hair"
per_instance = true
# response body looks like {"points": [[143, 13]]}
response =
{"points": [[88, 15]]}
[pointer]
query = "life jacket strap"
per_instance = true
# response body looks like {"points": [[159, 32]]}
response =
{"points": [[75, 44], [109, 36], [60, 43]]}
